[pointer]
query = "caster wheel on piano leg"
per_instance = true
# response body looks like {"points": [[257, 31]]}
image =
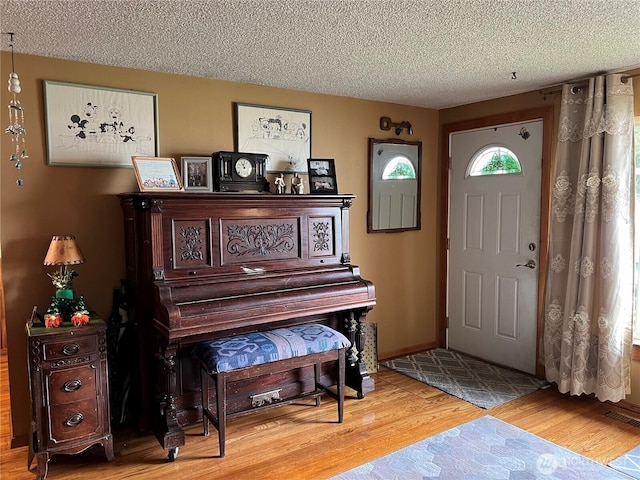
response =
{"points": [[360, 395], [173, 454]]}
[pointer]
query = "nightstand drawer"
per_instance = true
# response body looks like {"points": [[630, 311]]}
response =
{"points": [[74, 420], [70, 385], [80, 346]]}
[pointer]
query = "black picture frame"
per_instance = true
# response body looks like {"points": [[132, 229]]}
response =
{"points": [[322, 176]]}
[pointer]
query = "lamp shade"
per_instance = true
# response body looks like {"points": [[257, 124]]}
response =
{"points": [[63, 250]]}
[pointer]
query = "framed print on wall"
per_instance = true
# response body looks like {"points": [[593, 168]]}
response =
{"points": [[196, 174], [156, 174], [99, 127], [282, 133], [322, 175]]}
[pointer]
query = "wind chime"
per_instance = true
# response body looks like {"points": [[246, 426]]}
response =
{"points": [[16, 119]]}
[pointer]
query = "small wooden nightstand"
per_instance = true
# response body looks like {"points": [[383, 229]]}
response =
{"points": [[69, 390]]}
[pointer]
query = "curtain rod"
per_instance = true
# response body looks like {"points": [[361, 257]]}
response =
{"points": [[627, 77], [623, 79]]}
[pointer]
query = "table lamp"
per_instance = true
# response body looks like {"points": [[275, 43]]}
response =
{"points": [[63, 251]]}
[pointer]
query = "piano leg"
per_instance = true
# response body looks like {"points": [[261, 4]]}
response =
{"points": [[167, 429], [357, 376]]}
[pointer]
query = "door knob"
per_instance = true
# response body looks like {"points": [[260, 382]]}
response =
{"points": [[530, 264]]}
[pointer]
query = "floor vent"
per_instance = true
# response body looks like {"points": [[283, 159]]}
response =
{"points": [[623, 418]]}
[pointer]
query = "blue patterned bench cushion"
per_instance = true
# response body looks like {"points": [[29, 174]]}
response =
{"points": [[241, 351]]}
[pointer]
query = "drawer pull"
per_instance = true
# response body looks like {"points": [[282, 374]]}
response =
{"points": [[74, 420], [71, 349], [72, 385]]}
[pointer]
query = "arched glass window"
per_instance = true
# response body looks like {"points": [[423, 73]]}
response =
{"points": [[399, 168], [494, 160]]}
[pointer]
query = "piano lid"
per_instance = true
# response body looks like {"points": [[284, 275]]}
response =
{"points": [[186, 308]]}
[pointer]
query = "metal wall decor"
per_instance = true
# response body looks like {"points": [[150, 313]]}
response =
{"points": [[387, 124], [16, 126]]}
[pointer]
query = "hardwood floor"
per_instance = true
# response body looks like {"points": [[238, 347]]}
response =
{"points": [[299, 441]]}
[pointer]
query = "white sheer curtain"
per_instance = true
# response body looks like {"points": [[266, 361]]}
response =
{"points": [[589, 295]]}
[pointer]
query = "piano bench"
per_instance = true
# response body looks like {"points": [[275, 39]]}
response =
{"points": [[262, 353]]}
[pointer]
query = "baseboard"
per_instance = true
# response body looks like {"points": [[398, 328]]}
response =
{"points": [[407, 351]]}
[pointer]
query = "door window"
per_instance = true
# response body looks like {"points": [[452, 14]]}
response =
{"points": [[494, 160], [399, 168]]}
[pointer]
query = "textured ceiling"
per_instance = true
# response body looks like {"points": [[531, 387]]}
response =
{"points": [[427, 53]]}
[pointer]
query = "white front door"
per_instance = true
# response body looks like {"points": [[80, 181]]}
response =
{"points": [[494, 230]]}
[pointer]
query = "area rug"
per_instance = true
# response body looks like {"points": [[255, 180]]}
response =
{"points": [[471, 380], [483, 449], [628, 463]]}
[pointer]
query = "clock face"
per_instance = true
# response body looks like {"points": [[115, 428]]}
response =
{"points": [[244, 167]]}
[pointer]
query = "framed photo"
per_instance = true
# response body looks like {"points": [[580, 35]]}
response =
{"points": [[196, 174], [99, 127], [156, 174], [282, 133], [322, 175]]}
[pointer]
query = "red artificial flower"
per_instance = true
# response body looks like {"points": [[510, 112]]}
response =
{"points": [[52, 320], [79, 319]]}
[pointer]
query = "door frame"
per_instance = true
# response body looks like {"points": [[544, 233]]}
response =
{"points": [[547, 116]]}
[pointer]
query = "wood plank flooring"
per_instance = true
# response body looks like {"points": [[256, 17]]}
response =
{"points": [[303, 442]]}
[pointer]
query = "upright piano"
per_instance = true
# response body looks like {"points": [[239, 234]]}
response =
{"points": [[206, 265]]}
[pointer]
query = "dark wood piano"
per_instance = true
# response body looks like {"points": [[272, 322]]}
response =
{"points": [[206, 265]]}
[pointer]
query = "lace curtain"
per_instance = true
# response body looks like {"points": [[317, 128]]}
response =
{"points": [[589, 295]]}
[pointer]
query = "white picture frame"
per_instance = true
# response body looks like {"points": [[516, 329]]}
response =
{"points": [[91, 126]]}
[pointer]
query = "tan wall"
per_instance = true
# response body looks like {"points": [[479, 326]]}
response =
{"points": [[196, 118], [528, 101]]}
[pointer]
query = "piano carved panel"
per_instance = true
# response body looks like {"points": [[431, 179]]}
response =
{"points": [[207, 265], [321, 237], [192, 247], [259, 240]]}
